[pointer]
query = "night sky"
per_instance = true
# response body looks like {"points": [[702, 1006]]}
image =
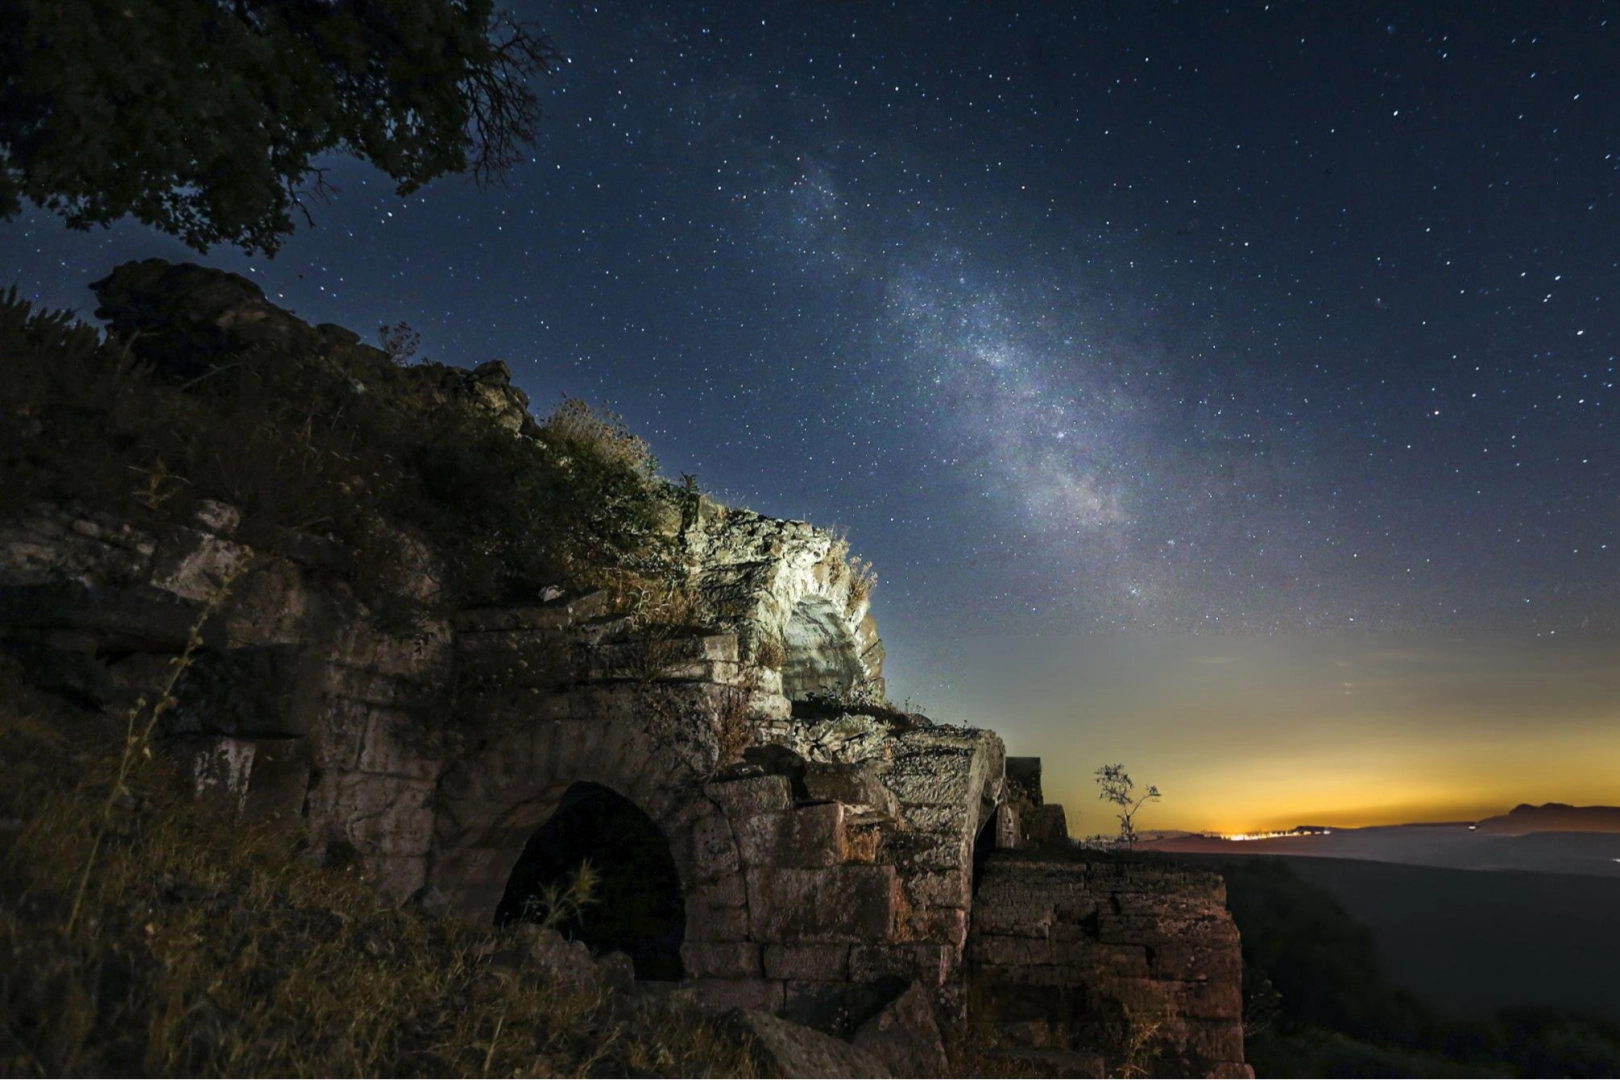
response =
{"points": [[1228, 390]]}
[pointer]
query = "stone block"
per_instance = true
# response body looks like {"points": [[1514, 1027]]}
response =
{"points": [[1024, 779], [930, 850], [714, 854], [751, 795], [424, 657], [1128, 929], [762, 995], [950, 819], [826, 962], [472, 879], [379, 815], [395, 742], [1031, 920], [1212, 998], [1009, 830], [934, 776], [838, 903], [1177, 960], [763, 839], [856, 786], [218, 765], [1217, 1042], [721, 959], [905, 1037], [806, 836], [948, 926], [1108, 960], [195, 565], [1010, 951], [718, 923], [473, 623], [924, 962], [338, 731], [516, 659], [940, 888], [785, 1049], [280, 781], [1047, 827], [1048, 1061], [275, 690], [368, 686], [717, 911], [264, 779], [273, 605], [48, 544]]}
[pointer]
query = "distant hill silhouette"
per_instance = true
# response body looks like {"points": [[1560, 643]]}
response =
{"points": [[1553, 817], [1467, 942], [1542, 848]]}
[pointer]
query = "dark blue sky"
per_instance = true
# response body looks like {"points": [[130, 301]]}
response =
{"points": [[1106, 319]]}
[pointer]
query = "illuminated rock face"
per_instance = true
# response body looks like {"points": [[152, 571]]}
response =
{"points": [[829, 870], [844, 858]]}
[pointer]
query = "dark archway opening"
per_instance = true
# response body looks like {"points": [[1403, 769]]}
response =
{"points": [[638, 908], [983, 845]]}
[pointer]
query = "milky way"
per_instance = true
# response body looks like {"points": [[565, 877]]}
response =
{"points": [[1260, 318]]}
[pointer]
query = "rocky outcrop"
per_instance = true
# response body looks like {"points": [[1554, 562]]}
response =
{"points": [[187, 320], [829, 857]]}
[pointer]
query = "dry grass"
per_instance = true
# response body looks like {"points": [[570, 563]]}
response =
{"points": [[211, 946], [574, 427], [770, 652], [345, 445], [737, 725], [854, 571]]}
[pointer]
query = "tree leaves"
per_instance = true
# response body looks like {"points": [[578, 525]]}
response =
{"points": [[206, 118]]}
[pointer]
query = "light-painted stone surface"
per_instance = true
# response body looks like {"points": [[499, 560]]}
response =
{"points": [[836, 860]]}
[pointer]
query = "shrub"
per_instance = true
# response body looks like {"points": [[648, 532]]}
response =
{"points": [[384, 464]]}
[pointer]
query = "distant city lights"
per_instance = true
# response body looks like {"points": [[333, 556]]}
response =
{"points": [[1275, 835]]}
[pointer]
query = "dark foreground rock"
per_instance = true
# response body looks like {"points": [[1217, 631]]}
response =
{"points": [[786, 1049], [904, 1036]]}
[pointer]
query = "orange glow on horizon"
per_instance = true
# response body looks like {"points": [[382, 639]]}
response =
{"points": [[1259, 735]]}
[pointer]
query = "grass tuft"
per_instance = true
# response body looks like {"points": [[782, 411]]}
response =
{"points": [[207, 945]]}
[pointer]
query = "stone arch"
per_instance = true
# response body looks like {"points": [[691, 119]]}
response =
{"points": [[636, 907], [492, 803]]}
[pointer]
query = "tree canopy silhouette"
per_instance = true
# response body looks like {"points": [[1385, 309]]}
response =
{"points": [[205, 118]]}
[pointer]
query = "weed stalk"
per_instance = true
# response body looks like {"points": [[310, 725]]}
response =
{"points": [[138, 737]]}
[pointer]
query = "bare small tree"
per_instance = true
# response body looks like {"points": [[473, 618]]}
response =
{"points": [[1117, 788], [399, 341]]}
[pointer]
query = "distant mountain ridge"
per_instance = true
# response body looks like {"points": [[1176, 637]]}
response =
{"points": [[1553, 817]]}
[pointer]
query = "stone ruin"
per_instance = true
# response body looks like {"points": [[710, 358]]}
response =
{"points": [[848, 853]]}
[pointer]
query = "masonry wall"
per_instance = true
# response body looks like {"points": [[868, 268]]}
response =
{"points": [[1138, 963], [819, 878]]}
